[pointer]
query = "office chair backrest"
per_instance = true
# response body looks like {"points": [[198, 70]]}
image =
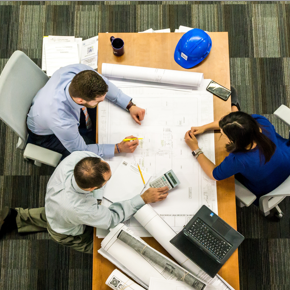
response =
{"points": [[20, 80]]}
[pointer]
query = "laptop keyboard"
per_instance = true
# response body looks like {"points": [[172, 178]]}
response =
{"points": [[201, 233]]}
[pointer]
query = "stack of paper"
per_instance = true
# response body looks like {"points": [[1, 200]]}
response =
{"points": [[59, 51]]}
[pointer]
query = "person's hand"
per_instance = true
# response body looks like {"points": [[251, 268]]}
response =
{"points": [[152, 195], [191, 141], [197, 130], [137, 114], [128, 146]]}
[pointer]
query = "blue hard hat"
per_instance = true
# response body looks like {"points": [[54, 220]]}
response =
{"points": [[192, 48]]}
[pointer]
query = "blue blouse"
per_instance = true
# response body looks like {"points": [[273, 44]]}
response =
{"points": [[251, 171]]}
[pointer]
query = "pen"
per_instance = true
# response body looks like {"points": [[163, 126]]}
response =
{"points": [[131, 139], [141, 174]]}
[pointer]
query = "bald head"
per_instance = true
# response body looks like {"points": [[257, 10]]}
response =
{"points": [[92, 172]]}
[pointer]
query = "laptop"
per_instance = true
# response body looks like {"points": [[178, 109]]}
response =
{"points": [[207, 240]]}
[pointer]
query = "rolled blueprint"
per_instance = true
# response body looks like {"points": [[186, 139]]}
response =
{"points": [[163, 233], [137, 266], [119, 281], [168, 266], [155, 75]]}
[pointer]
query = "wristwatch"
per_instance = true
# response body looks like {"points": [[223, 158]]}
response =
{"points": [[130, 105], [196, 152]]}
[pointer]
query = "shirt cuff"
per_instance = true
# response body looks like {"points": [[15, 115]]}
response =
{"points": [[103, 150], [109, 150], [137, 202], [124, 101]]}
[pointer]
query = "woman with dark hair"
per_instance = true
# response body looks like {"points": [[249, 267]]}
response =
{"points": [[259, 157]]}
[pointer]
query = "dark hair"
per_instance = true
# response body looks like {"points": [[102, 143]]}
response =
{"points": [[87, 85], [243, 130], [89, 171]]}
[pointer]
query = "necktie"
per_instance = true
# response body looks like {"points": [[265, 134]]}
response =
{"points": [[87, 118]]}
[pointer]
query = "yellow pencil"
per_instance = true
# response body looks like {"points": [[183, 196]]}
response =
{"points": [[141, 174], [131, 139]]}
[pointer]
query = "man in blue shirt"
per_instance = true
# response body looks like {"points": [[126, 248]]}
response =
{"points": [[58, 119]]}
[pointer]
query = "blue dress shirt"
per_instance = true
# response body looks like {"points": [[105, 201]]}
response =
{"points": [[53, 111], [250, 168]]}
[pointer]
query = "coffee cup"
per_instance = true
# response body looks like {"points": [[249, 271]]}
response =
{"points": [[118, 46]]}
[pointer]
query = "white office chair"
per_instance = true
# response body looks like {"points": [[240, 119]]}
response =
{"points": [[20, 80], [268, 201]]}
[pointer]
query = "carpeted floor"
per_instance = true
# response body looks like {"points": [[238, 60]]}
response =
{"points": [[259, 39]]}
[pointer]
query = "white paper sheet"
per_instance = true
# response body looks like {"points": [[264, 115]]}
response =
{"points": [[161, 284], [54, 39], [169, 114], [119, 281], [150, 30], [89, 52], [130, 260], [59, 55], [60, 52], [110, 258], [125, 183], [162, 232], [165, 30], [147, 74]]}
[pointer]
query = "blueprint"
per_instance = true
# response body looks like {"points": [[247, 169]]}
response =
{"points": [[169, 114]]}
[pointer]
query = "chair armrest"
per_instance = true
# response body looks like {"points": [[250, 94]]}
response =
{"points": [[243, 194], [41, 155], [282, 190], [283, 113]]}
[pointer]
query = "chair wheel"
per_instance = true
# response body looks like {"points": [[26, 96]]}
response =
{"points": [[279, 215]]}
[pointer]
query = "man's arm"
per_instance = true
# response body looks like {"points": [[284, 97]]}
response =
{"points": [[116, 96], [102, 217], [71, 139]]}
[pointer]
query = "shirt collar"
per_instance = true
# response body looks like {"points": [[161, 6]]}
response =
{"points": [[73, 104], [76, 187]]}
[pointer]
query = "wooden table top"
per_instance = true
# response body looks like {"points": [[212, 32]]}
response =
{"points": [[157, 50]]}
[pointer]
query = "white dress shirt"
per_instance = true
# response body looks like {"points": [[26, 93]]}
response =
{"points": [[69, 208]]}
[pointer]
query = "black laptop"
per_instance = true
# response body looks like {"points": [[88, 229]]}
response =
{"points": [[207, 240]]}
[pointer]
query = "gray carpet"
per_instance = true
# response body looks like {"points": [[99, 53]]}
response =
{"points": [[259, 40]]}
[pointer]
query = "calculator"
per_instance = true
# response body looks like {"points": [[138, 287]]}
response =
{"points": [[167, 179]]}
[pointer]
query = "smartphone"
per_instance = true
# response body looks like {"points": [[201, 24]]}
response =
{"points": [[218, 90]]}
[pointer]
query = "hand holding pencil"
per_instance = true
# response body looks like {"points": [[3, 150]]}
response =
{"points": [[128, 146]]}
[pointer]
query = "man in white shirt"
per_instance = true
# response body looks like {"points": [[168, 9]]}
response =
{"points": [[71, 204]]}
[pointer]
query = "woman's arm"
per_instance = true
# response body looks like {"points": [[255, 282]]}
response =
{"points": [[199, 130], [204, 162]]}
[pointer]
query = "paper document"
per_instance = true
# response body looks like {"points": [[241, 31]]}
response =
{"points": [[59, 51], [161, 284], [89, 52], [53, 39], [163, 146], [125, 183], [144, 262], [119, 281], [163, 233], [59, 55], [146, 74]]}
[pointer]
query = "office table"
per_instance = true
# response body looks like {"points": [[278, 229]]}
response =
{"points": [[157, 50]]}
